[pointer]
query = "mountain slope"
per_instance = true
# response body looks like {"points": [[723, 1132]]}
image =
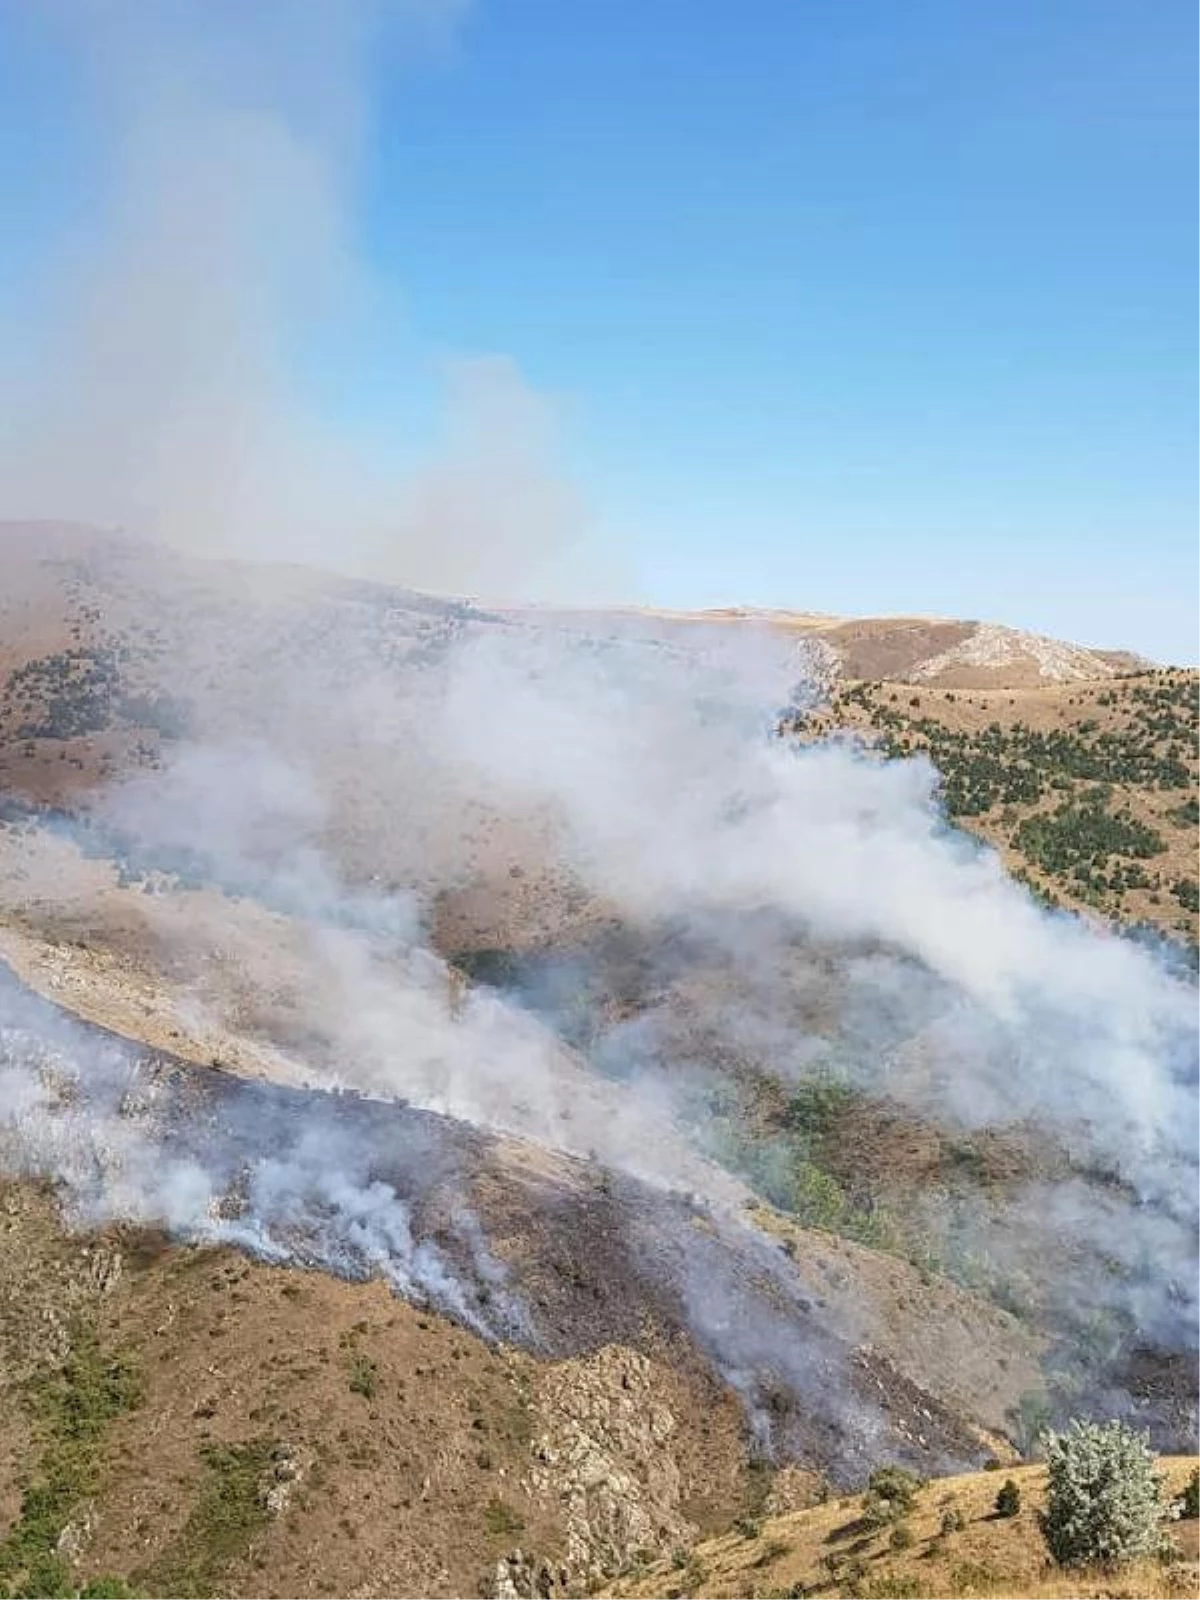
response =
{"points": [[952, 1544], [1088, 790], [675, 1094]]}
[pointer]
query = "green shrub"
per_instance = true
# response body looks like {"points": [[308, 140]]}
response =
{"points": [[74, 1404], [500, 1519], [364, 1376], [1008, 1500], [891, 1493], [901, 1537], [1189, 1501], [970, 1575], [892, 1587], [227, 1516], [47, 1580], [1104, 1500]]}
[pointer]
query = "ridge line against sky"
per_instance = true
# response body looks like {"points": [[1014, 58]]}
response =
{"points": [[840, 307]]}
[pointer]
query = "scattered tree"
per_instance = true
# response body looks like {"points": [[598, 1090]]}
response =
{"points": [[1189, 1500]]}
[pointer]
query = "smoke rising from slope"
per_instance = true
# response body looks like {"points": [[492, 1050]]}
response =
{"points": [[953, 994], [787, 911], [183, 372], [97, 1119]]}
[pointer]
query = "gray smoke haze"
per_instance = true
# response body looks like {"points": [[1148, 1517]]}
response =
{"points": [[949, 990], [791, 910], [89, 1115], [787, 911], [185, 356]]}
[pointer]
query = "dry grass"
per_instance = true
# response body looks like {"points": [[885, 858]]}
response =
{"points": [[827, 1551], [408, 1441]]}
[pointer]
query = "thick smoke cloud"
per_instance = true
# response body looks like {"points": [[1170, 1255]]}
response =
{"points": [[957, 996], [97, 1118], [183, 369], [786, 911]]}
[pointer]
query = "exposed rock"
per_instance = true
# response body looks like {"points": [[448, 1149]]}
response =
{"points": [[283, 1478], [522, 1577], [603, 1451], [73, 1539], [795, 1489]]}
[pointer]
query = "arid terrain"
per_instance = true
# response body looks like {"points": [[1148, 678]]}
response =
{"points": [[493, 1101], [1087, 789], [953, 1543]]}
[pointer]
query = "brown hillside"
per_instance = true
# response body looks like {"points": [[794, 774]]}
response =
{"points": [[956, 1547], [1123, 749]]}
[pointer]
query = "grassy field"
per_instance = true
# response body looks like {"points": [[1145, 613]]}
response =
{"points": [[951, 1543]]}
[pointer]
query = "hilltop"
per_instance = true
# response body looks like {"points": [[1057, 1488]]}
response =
{"points": [[950, 653]]}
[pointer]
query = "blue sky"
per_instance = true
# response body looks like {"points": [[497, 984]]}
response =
{"points": [[851, 305]]}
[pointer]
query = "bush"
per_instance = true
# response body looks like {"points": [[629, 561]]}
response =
{"points": [[890, 1495], [1008, 1500], [1189, 1500], [902, 1537], [500, 1519], [364, 1376], [1104, 1499]]}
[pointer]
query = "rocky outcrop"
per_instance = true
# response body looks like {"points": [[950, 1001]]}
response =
{"points": [[602, 1453]]}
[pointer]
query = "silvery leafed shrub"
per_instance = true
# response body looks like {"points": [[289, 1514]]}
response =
{"points": [[1104, 1499]]}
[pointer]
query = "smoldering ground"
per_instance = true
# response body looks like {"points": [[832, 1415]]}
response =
{"points": [[359, 1188], [786, 913]]}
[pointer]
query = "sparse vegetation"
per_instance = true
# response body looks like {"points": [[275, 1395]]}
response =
{"points": [[1076, 801], [227, 1515], [73, 1407], [1189, 1500], [891, 1494], [364, 1375], [501, 1520]]}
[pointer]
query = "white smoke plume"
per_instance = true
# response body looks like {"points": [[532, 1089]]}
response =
{"points": [[790, 910], [952, 994], [187, 357], [89, 1115]]}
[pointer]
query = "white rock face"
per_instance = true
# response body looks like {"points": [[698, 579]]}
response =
{"points": [[602, 1451], [995, 646]]}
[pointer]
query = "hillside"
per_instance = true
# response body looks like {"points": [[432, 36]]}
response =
{"points": [[1087, 790], [952, 1545], [201, 1423], [936, 650], [481, 1112]]}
